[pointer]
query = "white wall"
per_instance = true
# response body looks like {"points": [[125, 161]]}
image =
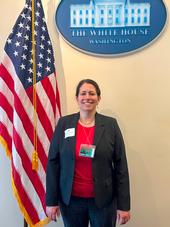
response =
{"points": [[136, 90]]}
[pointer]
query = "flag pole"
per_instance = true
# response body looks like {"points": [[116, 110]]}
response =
{"points": [[25, 223]]}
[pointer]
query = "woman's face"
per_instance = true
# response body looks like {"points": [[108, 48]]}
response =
{"points": [[87, 98]]}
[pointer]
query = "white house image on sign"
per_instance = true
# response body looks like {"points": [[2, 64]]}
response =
{"points": [[109, 13]]}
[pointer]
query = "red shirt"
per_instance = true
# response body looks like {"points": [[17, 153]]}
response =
{"points": [[83, 178]]}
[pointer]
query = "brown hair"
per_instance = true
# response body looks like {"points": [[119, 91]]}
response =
{"points": [[88, 81]]}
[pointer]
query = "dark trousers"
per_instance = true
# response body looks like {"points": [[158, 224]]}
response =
{"points": [[81, 211]]}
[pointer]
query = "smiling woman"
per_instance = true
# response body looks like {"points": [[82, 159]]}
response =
{"points": [[87, 174], [88, 97]]}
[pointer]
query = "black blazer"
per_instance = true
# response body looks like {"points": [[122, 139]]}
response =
{"points": [[109, 165]]}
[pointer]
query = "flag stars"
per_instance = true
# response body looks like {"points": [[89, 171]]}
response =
{"points": [[42, 46], [38, 5], [30, 70], [9, 41], [42, 37], [44, 28], [31, 61], [17, 44], [19, 34], [23, 15], [36, 23], [48, 60], [15, 53], [37, 14], [28, 28], [39, 65], [29, 18], [29, 80], [39, 74], [25, 47], [41, 56], [48, 51], [48, 69], [35, 33], [26, 6], [26, 37], [21, 25], [24, 57], [22, 66]]}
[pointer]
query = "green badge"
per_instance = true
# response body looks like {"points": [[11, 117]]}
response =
{"points": [[87, 150]]}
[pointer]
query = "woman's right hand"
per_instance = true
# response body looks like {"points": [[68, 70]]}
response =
{"points": [[53, 212]]}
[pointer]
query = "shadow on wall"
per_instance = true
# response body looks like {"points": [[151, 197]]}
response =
{"points": [[51, 7], [144, 210], [143, 201]]}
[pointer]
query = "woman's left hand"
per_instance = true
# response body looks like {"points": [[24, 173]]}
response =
{"points": [[123, 216]]}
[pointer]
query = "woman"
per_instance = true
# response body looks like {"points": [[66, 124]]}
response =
{"points": [[87, 174]]}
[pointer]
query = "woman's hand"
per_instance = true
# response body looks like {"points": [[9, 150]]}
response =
{"points": [[53, 212], [123, 217]]}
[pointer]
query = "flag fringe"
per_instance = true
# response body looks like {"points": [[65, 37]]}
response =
{"points": [[24, 212], [5, 146], [26, 216]]}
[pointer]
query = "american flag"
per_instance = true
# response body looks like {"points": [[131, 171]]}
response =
{"points": [[18, 121]]}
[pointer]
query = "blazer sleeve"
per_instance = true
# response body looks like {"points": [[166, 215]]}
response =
{"points": [[121, 172], [53, 168]]}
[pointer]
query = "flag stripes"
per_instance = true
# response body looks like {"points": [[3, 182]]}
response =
{"points": [[24, 198]]}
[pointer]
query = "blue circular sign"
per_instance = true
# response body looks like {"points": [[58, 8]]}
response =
{"points": [[110, 27]]}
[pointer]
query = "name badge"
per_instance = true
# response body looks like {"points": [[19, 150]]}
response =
{"points": [[69, 132], [87, 150]]}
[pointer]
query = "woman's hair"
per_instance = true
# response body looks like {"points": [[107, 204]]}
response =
{"points": [[88, 81]]}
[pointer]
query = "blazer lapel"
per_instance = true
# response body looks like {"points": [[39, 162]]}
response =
{"points": [[99, 129], [73, 124]]}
